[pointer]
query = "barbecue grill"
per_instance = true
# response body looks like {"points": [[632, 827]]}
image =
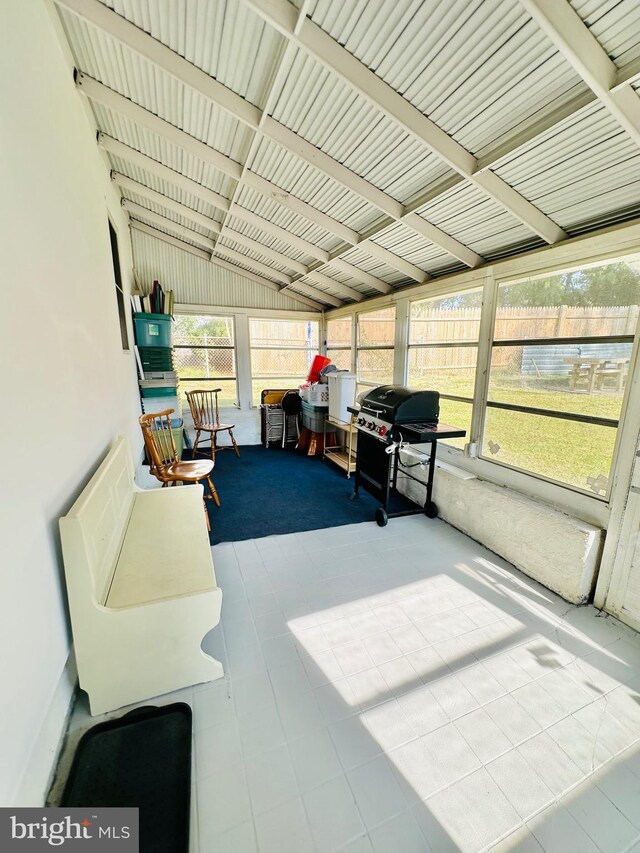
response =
{"points": [[390, 418]]}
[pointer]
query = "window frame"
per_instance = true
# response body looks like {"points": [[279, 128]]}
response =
{"points": [[121, 301], [483, 403], [233, 347], [472, 401], [358, 349], [258, 378], [329, 348]]}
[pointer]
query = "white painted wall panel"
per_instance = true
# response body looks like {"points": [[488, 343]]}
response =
{"points": [[71, 389], [198, 282]]}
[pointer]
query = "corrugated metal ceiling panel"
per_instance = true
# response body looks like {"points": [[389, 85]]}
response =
{"points": [[223, 37], [470, 216], [616, 25], [168, 189], [227, 239], [260, 236], [169, 231], [198, 282], [585, 171], [145, 84], [405, 242], [273, 162], [164, 152], [279, 215], [168, 214], [475, 68], [372, 265], [329, 114]]}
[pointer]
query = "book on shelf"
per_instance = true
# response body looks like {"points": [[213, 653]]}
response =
{"points": [[158, 301]]}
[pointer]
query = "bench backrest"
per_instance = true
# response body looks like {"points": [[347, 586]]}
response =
{"points": [[93, 529]]}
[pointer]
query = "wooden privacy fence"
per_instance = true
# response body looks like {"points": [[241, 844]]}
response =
{"points": [[463, 324], [435, 326]]}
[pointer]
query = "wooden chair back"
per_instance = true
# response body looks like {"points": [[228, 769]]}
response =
{"points": [[204, 407], [158, 441]]}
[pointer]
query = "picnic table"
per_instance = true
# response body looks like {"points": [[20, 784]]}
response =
{"points": [[593, 372]]}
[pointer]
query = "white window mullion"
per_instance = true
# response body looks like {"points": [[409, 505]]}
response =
{"points": [[401, 342], [243, 361], [480, 392]]}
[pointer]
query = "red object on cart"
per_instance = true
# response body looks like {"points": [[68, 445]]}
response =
{"points": [[317, 364]]}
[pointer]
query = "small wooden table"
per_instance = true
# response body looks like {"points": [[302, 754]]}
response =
{"points": [[594, 371]]}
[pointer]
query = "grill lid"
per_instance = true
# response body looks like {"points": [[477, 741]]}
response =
{"points": [[398, 405]]}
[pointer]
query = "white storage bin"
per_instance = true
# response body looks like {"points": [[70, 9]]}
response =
{"points": [[342, 393]]}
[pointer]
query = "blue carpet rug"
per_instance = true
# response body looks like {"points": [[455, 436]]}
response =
{"points": [[272, 492]]}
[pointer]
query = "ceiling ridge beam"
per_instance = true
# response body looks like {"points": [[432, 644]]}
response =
{"points": [[580, 48], [164, 222], [258, 120], [315, 41], [219, 262]]}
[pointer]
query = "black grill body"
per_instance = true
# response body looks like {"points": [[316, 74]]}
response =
{"points": [[397, 405], [392, 415]]}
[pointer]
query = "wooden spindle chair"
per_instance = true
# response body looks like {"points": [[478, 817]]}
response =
{"points": [[206, 418], [163, 457]]}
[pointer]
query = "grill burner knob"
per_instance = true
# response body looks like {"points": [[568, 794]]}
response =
{"points": [[371, 425], [382, 430], [361, 421]]}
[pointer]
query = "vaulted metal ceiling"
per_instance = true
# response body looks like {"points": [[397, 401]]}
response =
{"points": [[338, 149]]}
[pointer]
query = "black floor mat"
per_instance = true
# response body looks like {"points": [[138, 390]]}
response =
{"points": [[143, 760]]}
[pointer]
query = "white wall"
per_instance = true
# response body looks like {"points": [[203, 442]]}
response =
{"points": [[68, 387]]}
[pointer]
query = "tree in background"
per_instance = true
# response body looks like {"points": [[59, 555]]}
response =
{"points": [[610, 284]]}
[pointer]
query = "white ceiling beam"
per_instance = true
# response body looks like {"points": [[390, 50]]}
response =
{"points": [[263, 269], [445, 241], [389, 258], [312, 303], [312, 38], [148, 164], [577, 44], [141, 212], [266, 251], [338, 286], [129, 184], [220, 262], [102, 94], [307, 288], [181, 69], [295, 242], [167, 238], [360, 275]]}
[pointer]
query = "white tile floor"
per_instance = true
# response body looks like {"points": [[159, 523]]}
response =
{"points": [[403, 690]]}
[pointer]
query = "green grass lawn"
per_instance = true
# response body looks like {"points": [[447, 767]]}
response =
{"points": [[567, 451]]}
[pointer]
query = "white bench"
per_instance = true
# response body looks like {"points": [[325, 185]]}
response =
{"points": [[141, 584]]}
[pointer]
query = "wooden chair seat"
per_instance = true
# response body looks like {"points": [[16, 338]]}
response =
{"points": [[163, 457], [216, 427]]}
